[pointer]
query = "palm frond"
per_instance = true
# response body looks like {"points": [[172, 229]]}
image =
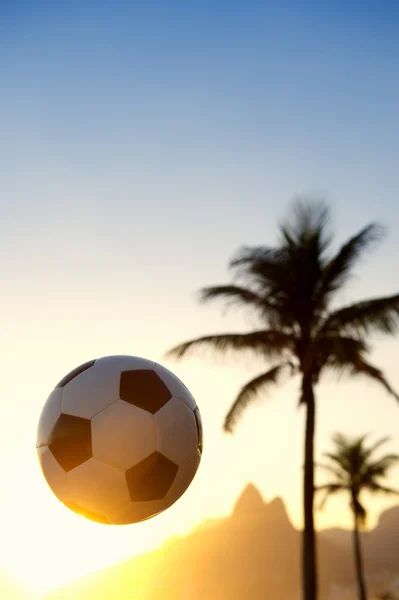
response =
{"points": [[349, 360], [387, 461], [251, 391], [265, 270], [376, 487], [339, 458], [247, 255], [289, 274], [362, 367], [377, 314], [236, 295], [332, 470], [372, 449], [379, 467], [336, 351], [343, 442], [347, 457], [268, 343], [339, 268], [306, 225], [329, 489]]}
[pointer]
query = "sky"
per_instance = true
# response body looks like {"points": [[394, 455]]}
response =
{"points": [[141, 145]]}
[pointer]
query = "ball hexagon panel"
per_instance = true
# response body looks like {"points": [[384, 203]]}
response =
{"points": [[198, 421], [176, 431], [48, 418], [183, 479], [176, 387], [151, 478], [113, 365], [135, 512], [83, 512], [70, 441], [74, 373], [89, 392], [53, 472], [97, 487], [145, 389], [123, 435]]}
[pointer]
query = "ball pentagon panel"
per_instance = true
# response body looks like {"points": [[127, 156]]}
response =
{"points": [[144, 389], [152, 478], [70, 441]]}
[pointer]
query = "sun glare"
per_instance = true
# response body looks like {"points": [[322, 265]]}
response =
{"points": [[47, 545], [73, 546]]}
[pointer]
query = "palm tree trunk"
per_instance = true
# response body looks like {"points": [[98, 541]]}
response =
{"points": [[358, 560], [309, 579]]}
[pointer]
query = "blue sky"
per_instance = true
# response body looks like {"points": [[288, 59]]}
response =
{"points": [[243, 103], [203, 121], [141, 144]]}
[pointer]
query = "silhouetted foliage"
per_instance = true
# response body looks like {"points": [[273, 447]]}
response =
{"points": [[354, 470], [290, 288]]}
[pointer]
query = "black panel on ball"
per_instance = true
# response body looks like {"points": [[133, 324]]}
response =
{"points": [[151, 478], [70, 441], [72, 374], [143, 388]]}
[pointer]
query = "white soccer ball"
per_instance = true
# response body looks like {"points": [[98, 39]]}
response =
{"points": [[119, 439]]}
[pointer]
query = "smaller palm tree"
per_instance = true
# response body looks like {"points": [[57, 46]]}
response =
{"points": [[355, 470]]}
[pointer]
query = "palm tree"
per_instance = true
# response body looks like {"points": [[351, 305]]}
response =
{"points": [[290, 288], [355, 470]]}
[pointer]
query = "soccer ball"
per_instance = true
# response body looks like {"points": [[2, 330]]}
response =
{"points": [[119, 439]]}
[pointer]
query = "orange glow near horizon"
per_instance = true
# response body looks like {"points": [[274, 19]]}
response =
{"points": [[48, 545], [142, 146]]}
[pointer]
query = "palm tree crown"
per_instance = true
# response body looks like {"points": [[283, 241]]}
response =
{"points": [[354, 469], [290, 287]]}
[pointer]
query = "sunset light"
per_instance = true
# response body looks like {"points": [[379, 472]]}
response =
{"points": [[142, 146]]}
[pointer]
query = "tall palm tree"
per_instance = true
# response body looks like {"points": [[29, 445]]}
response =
{"points": [[354, 470], [290, 288]]}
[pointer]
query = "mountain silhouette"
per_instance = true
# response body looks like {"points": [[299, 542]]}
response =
{"points": [[379, 545], [254, 553], [250, 502]]}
